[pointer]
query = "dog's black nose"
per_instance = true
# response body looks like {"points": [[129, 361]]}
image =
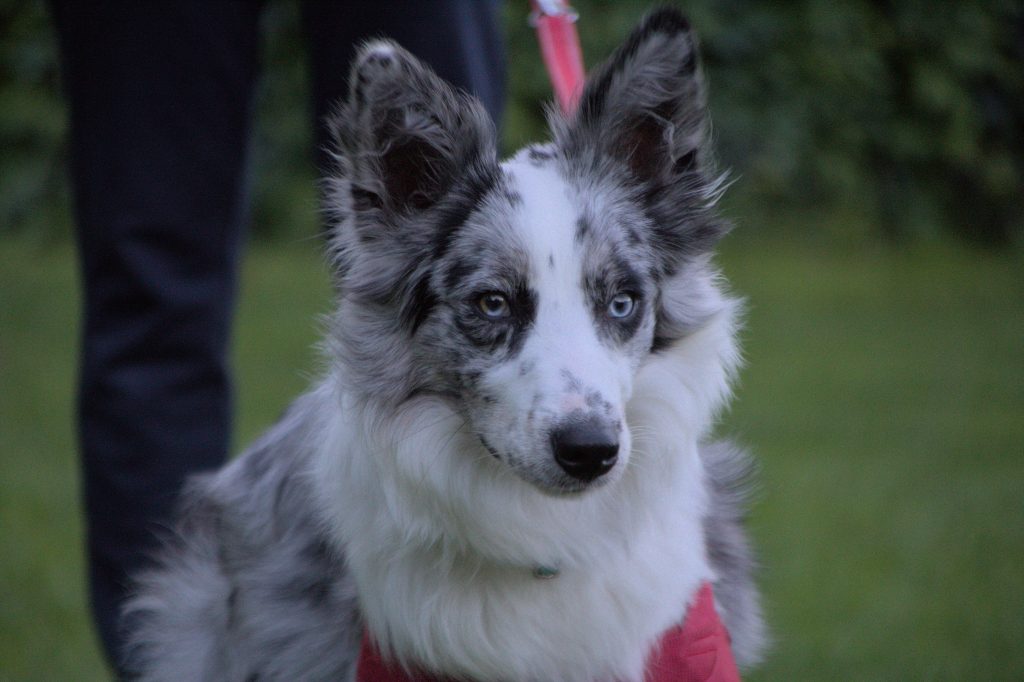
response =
{"points": [[585, 450]]}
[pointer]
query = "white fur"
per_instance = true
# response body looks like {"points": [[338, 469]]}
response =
{"points": [[563, 341]]}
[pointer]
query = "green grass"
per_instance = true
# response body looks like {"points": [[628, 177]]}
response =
{"points": [[884, 396]]}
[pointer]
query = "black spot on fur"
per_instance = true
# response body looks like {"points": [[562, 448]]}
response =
{"points": [[453, 212], [583, 228], [513, 197], [471, 377], [633, 236], [281, 491], [572, 382], [627, 278], [458, 272], [419, 305], [312, 585], [660, 343], [317, 591], [687, 163], [480, 338], [538, 156], [523, 313], [232, 606], [487, 446], [365, 200], [362, 80], [377, 59], [689, 65]]}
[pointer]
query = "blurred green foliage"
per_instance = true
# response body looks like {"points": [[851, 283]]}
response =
{"points": [[34, 194], [878, 119]]}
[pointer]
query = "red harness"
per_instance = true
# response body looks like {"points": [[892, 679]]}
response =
{"points": [[696, 651]]}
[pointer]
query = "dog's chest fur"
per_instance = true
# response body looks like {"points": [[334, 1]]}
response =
{"points": [[461, 595]]}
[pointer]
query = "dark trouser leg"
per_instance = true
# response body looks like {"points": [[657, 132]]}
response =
{"points": [[160, 97], [461, 39]]}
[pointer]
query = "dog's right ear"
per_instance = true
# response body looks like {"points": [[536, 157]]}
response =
{"points": [[405, 134], [642, 116], [645, 106]]}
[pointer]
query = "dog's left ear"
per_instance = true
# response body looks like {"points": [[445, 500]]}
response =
{"points": [[644, 112], [407, 136]]}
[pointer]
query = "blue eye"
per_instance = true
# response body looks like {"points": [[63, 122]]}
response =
{"points": [[494, 305], [621, 306]]}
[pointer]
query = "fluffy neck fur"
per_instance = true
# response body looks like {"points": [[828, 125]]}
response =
{"points": [[441, 538]]}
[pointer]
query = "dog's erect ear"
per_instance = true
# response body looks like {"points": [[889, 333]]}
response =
{"points": [[642, 117], [645, 106], [405, 133]]}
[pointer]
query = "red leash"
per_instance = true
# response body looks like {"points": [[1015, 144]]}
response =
{"points": [[555, 22]]}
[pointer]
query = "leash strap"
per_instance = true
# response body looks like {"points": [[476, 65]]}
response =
{"points": [[555, 22]]}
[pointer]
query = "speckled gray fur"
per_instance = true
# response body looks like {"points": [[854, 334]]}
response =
{"points": [[248, 588]]}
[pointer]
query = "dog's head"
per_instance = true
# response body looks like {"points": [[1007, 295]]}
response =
{"points": [[529, 293]]}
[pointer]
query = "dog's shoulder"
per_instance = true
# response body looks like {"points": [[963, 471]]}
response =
{"points": [[248, 584], [730, 472]]}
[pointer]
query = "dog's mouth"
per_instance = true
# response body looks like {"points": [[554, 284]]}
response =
{"points": [[554, 478]]}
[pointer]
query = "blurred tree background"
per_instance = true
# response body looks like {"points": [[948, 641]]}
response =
{"points": [[874, 119]]}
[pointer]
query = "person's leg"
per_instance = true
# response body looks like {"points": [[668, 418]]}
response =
{"points": [[461, 39], [160, 98]]}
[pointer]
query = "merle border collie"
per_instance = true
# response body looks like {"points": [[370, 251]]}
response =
{"points": [[504, 472]]}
